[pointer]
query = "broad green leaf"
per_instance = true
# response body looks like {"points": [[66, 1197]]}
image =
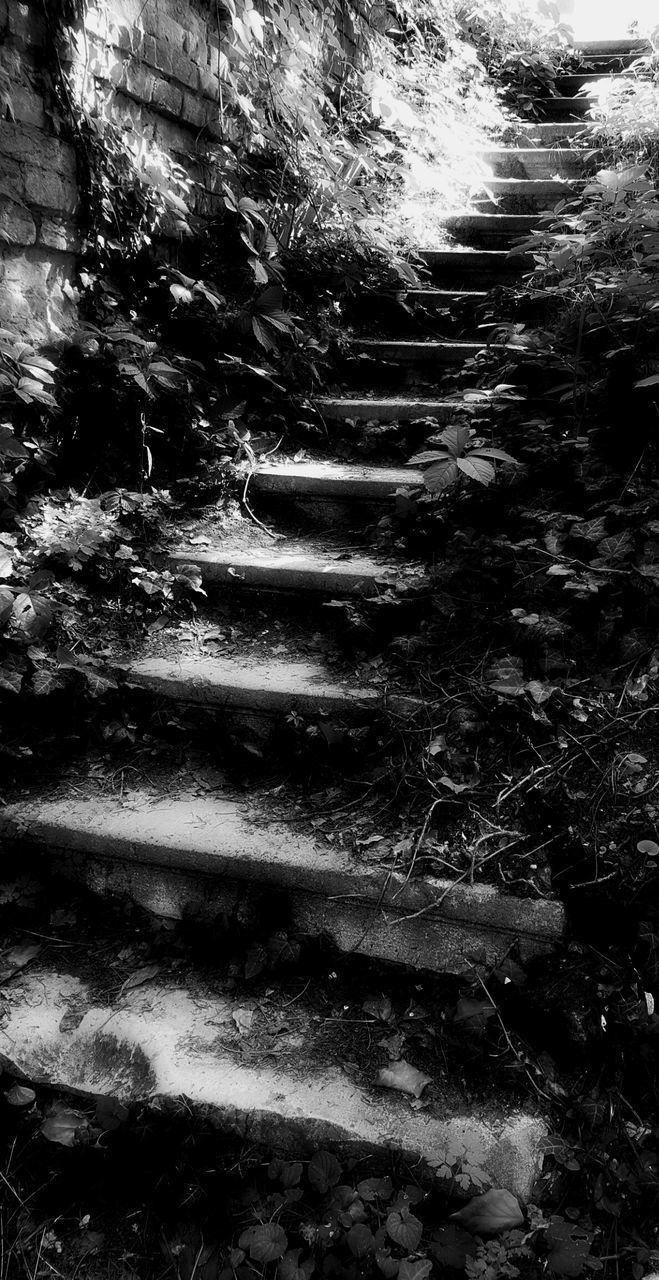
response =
{"points": [[568, 1247], [62, 1124], [498, 454], [441, 476], [456, 438], [476, 468], [496, 1210]]}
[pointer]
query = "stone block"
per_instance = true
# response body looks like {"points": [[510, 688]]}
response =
{"points": [[208, 83], [58, 233], [163, 59], [28, 106], [193, 110], [183, 68], [32, 297], [167, 98], [137, 81], [49, 190], [32, 146], [17, 226], [26, 24], [158, 24]]}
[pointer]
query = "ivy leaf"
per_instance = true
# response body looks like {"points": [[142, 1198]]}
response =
{"points": [[386, 1264], [568, 1247], [264, 1242], [404, 1229], [371, 1189], [616, 547], [360, 1240], [451, 1246], [506, 676], [290, 1267], [414, 1269], [324, 1171]]}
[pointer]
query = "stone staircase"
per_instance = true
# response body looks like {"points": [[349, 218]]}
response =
{"points": [[218, 856]]}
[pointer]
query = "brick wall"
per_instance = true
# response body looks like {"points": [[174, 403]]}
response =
{"points": [[158, 62]]}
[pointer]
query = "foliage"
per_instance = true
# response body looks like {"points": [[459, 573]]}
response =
{"points": [[525, 50], [460, 453]]}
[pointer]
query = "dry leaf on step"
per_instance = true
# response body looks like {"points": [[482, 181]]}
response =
{"points": [[243, 1019], [404, 1077], [496, 1210]]}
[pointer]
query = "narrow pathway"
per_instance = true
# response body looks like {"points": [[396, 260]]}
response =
{"points": [[220, 857]]}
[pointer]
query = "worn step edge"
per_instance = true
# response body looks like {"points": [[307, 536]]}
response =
{"points": [[555, 108], [161, 1041], [336, 481], [180, 856], [549, 132], [389, 409], [491, 225], [625, 45], [506, 162], [409, 352], [270, 687], [486, 263], [290, 571]]}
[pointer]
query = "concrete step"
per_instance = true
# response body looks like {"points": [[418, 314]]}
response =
{"points": [[388, 409], [537, 163], [225, 856], [523, 195], [335, 481], [430, 352], [292, 567], [563, 108], [625, 47], [489, 230], [484, 266], [262, 686], [566, 86], [550, 133], [439, 299], [273, 1068]]}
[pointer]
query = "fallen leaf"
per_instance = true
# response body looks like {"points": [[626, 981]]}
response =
{"points": [[496, 1210], [20, 1096], [62, 1124], [243, 1019], [71, 1021], [140, 976], [404, 1077], [17, 957]]}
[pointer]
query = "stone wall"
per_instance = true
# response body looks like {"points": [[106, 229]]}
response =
{"points": [[38, 191], [157, 63]]}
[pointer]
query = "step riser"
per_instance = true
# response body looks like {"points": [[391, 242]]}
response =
{"points": [[507, 201], [330, 583], [202, 859], [194, 686], [388, 411], [437, 355], [564, 108], [488, 231], [539, 164], [543, 134]]}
